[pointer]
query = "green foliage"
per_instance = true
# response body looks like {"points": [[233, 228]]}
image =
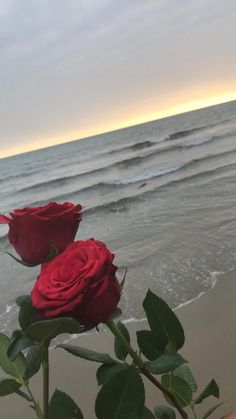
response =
{"points": [[164, 412], [14, 368], [163, 321], [46, 330], [178, 387], [17, 345], [8, 386], [147, 414], [165, 363], [88, 354], [211, 389], [122, 397], [106, 371], [63, 406], [150, 344], [33, 361], [27, 313], [212, 410], [120, 351], [185, 373]]}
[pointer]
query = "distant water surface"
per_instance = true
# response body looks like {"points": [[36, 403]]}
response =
{"points": [[162, 195]]}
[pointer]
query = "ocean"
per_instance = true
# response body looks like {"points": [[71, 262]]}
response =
{"points": [[161, 195]]}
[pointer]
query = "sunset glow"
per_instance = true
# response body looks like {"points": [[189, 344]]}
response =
{"points": [[115, 125], [70, 70]]}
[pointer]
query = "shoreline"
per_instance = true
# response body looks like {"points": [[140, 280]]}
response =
{"points": [[210, 348]]}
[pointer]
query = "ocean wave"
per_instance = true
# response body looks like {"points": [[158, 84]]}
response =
{"points": [[144, 177], [136, 146], [180, 134], [122, 164], [122, 204], [149, 175]]}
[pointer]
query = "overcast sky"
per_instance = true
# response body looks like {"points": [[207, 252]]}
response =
{"points": [[72, 68]]}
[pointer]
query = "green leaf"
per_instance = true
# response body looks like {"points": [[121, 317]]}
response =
{"points": [[88, 354], [165, 363], [120, 351], [8, 386], [33, 362], [123, 280], [178, 387], [106, 371], [147, 414], [185, 373], [14, 368], [212, 409], [122, 397], [45, 330], [211, 389], [18, 345], [27, 313], [164, 412], [163, 321], [150, 344], [63, 406]]}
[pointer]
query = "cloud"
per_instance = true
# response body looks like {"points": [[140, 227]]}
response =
{"points": [[68, 65]]}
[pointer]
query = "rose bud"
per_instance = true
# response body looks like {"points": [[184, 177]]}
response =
{"points": [[34, 230], [80, 283]]}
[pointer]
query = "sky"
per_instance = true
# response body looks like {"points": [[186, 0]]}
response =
{"points": [[75, 68]]}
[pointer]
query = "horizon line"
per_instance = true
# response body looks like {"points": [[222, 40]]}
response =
{"points": [[120, 127]]}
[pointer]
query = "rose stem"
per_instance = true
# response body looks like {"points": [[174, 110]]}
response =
{"points": [[45, 382], [117, 333], [37, 408]]}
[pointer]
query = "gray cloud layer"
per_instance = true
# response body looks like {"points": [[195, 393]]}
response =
{"points": [[69, 65]]}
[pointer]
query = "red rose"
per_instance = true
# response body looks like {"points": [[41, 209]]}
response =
{"points": [[80, 283], [33, 230]]}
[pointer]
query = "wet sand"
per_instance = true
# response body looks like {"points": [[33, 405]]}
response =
{"points": [[210, 348]]}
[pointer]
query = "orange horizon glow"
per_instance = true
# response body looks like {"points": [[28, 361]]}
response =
{"points": [[176, 109]]}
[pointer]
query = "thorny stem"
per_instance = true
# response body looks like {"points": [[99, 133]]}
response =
{"points": [[138, 361]]}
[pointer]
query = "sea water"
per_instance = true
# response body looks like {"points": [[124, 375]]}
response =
{"points": [[161, 195]]}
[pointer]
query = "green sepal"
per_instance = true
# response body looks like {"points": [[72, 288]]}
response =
{"points": [[22, 262], [52, 253]]}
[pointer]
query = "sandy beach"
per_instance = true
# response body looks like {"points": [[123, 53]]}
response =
{"points": [[210, 348]]}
